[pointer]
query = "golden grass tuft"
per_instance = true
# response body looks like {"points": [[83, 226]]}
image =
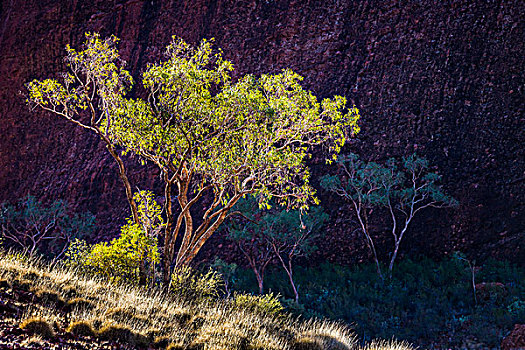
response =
{"points": [[78, 303], [174, 346], [306, 344], [161, 342], [81, 328], [50, 296], [122, 333], [115, 332], [22, 284], [38, 326]]}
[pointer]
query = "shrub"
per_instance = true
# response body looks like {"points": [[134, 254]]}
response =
{"points": [[39, 326], [118, 260], [268, 304], [190, 284]]}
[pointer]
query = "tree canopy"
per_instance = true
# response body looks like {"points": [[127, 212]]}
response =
{"points": [[208, 134]]}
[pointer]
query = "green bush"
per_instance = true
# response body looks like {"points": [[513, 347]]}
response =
{"points": [[267, 304], [129, 258], [191, 284], [423, 300]]}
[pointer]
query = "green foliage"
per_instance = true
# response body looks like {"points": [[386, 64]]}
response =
{"points": [[227, 273], [31, 225], [202, 129], [401, 188], [264, 234], [119, 259], [124, 258], [286, 228], [423, 300], [190, 284], [76, 253], [268, 304]]}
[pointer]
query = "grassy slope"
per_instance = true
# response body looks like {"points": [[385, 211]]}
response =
{"points": [[90, 313]]}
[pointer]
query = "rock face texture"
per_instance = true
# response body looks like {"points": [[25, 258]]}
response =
{"points": [[440, 78], [515, 340]]}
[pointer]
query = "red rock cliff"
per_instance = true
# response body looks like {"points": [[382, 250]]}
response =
{"points": [[443, 78]]}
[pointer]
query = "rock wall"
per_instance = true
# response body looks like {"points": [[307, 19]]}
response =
{"points": [[442, 78]]}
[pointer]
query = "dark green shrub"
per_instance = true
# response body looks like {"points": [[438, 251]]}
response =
{"points": [[423, 300]]}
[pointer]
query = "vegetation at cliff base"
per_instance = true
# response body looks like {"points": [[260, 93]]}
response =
{"points": [[95, 310]]}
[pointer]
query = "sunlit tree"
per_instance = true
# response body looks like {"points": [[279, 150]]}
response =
{"points": [[209, 135]]}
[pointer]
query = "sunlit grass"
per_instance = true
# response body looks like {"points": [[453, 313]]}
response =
{"points": [[66, 299]]}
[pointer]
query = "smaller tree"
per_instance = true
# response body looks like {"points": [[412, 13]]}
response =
{"points": [[32, 226], [266, 234], [403, 193], [248, 235], [410, 191], [292, 235], [227, 272], [363, 185]]}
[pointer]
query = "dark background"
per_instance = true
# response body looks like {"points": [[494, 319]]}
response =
{"points": [[440, 78]]}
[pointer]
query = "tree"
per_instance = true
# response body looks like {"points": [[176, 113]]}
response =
{"points": [[208, 135], [403, 193], [30, 225], [266, 234], [248, 234], [292, 235], [362, 185]]}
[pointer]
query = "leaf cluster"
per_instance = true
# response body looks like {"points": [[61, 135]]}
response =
{"points": [[404, 182], [122, 258], [285, 228]]}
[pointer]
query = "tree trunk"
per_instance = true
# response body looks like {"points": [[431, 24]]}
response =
{"points": [[260, 280], [125, 181]]}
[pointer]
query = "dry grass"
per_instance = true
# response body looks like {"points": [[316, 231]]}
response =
{"points": [[94, 307]]}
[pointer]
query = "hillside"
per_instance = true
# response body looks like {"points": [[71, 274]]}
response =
{"points": [[46, 307], [444, 79]]}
